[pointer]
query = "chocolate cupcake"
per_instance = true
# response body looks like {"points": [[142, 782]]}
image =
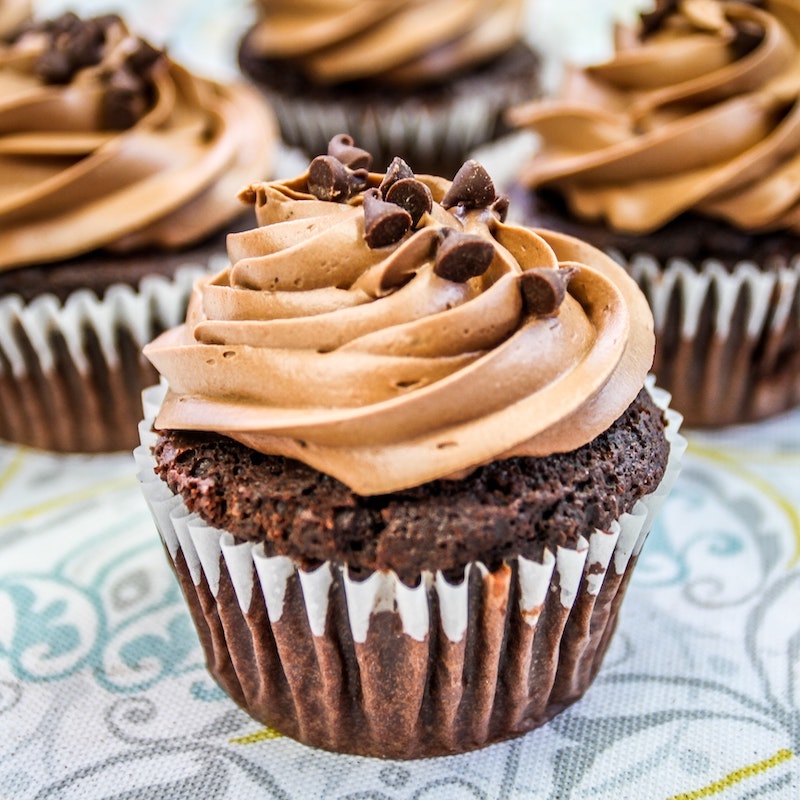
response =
{"points": [[425, 81], [406, 460], [120, 170], [677, 156]]}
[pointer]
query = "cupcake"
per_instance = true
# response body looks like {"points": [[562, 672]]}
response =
{"points": [[118, 181], [403, 459], [423, 80], [678, 156]]}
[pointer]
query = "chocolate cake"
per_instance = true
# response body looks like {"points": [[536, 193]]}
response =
{"points": [[405, 459], [517, 506]]}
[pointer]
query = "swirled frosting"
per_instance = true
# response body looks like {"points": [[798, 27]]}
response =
{"points": [[388, 348], [107, 143], [394, 41], [13, 13], [698, 111]]}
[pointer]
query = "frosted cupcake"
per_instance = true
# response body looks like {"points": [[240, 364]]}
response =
{"points": [[119, 168], [678, 156], [406, 461], [424, 80]]}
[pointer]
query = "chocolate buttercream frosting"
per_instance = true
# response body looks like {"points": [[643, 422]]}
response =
{"points": [[391, 359], [107, 143], [697, 112], [390, 41]]}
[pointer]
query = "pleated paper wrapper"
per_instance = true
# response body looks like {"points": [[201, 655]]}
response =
{"points": [[72, 373], [727, 341], [375, 667]]}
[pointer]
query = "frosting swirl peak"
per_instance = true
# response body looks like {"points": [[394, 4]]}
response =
{"points": [[699, 110], [454, 341]]}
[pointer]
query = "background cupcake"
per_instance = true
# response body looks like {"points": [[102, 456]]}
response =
{"points": [[426, 81], [118, 166], [678, 156], [406, 461]]}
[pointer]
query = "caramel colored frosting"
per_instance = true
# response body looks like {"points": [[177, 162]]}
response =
{"points": [[698, 111], [395, 41], [391, 329], [13, 13], [106, 143]]}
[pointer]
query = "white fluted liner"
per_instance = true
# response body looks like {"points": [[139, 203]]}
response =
{"points": [[121, 307], [466, 121], [71, 372], [727, 341], [205, 549]]}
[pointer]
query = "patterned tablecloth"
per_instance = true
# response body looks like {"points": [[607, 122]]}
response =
{"points": [[103, 692]]}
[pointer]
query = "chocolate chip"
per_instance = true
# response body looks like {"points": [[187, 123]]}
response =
{"points": [[398, 170], [342, 147], [141, 60], [329, 179], [384, 223], [748, 36], [544, 288], [53, 66], [412, 195], [472, 187], [651, 21], [124, 101], [500, 206], [462, 256]]}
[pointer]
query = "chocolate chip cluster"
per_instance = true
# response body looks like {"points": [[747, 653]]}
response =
{"points": [[72, 44], [399, 203], [748, 36]]}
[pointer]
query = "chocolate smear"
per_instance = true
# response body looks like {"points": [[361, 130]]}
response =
{"points": [[544, 288], [384, 223], [462, 256], [329, 179], [472, 187], [412, 195], [342, 147], [398, 170]]}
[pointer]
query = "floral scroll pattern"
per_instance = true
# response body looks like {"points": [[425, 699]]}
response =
{"points": [[104, 693]]}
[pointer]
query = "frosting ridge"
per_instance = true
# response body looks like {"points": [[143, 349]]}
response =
{"points": [[697, 111], [395, 41], [107, 143], [462, 340]]}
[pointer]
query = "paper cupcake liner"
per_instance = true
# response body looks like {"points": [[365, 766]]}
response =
{"points": [[432, 138], [72, 373], [377, 668], [727, 342]]}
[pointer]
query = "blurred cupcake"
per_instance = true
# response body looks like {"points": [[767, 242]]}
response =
{"points": [[424, 80], [406, 460], [679, 156], [13, 15], [119, 178]]}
